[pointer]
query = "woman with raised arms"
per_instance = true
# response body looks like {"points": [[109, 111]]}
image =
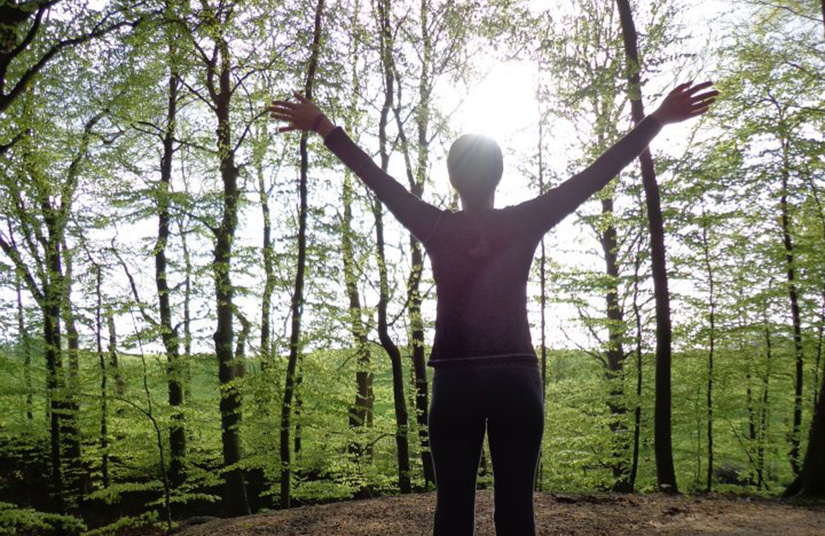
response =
{"points": [[486, 371]]}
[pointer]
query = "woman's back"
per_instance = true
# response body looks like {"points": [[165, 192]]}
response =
{"points": [[481, 282]]}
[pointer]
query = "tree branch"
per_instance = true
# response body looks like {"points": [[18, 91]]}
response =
{"points": [[7, 98]]}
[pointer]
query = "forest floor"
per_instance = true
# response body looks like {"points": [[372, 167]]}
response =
{"points": [[580, 515]]}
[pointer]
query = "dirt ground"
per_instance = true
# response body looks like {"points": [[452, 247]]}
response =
{"points": [[580, 515]]}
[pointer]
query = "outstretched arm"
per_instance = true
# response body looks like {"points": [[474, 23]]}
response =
{"points": [[545, 211], [416, 215]]}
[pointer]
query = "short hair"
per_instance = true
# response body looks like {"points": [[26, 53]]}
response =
{"points": [[475, 165]]}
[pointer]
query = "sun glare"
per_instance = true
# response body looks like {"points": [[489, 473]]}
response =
{"points": [[503, 104]]}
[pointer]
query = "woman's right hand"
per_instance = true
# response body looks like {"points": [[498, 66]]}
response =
{"points": [[301, 115]]}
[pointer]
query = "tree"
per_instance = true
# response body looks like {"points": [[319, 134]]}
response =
{"points": [[662, 434], [298, 293], [38, 203], [169, 332], [779, 92], [361, 413], [582, 53], [211, 34], [811, 481], [27, 47], [162, 194], [400, 403]]}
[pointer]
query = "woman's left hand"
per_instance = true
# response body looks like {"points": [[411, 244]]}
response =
{"points": [[684, 102], [301, 115]]}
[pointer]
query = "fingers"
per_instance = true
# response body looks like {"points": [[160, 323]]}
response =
{"points": [[292, 105], [284, 104], [281, 110], [287, 129], [698, 112], [702, 103], [699, 87], [705, 96], [681, 87]]}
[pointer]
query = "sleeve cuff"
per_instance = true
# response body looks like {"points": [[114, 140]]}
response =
{"points": [[655, 121], [334, 137]]}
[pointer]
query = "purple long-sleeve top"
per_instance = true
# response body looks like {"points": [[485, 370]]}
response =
{"points": [[482, 297]]}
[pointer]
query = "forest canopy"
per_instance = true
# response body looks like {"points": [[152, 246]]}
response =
{"points": [[200, 314]]}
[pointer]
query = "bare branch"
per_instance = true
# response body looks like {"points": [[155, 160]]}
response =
{"points": [[198, 94], [248, 126]]}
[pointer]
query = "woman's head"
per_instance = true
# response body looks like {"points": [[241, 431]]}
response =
{"points": [[475, 165]]}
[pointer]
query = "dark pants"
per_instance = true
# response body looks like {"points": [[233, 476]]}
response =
{"points": [[506, 398]]}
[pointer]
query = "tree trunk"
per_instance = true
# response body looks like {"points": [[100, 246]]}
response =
{"points": [[542, 291], [821, 328], [663, 446], [401, 417], [240, 348], [120, 385], [712, 343], [764, 421], [416, 177], [101, 357], [637, 412], [299, 379], [298, 292], [187, 317], [54, 384], [419, 358], [819, 342], [269, 269], [813, 469], [361, 412], [615, 351], [169, 334], [749, 394], [76, 474], [55, 380], [26, 343], [793, 297], [230, 400]]}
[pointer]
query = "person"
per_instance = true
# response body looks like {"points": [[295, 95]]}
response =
{"points": [[486, 373]]}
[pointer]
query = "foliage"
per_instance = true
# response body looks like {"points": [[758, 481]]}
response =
{"points": [[14, 520]]}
